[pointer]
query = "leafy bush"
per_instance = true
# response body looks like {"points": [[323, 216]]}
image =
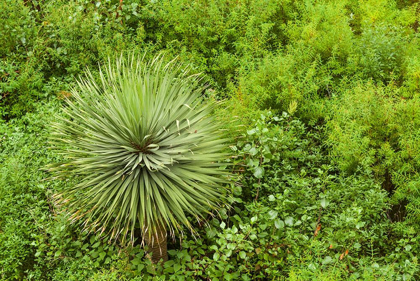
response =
{"points": [[46, 41], [374, 129], [381, 53], [215, 35]]}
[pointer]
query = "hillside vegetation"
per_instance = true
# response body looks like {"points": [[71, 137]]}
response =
{"points": [[320, 101]]}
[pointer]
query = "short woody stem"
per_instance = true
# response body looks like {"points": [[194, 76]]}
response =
{"points": [[157, 244]]}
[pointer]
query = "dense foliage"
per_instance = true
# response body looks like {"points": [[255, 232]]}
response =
{"points": [[321, 101]]}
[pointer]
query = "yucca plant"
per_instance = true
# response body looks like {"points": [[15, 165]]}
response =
{"points": [[146, 151]]}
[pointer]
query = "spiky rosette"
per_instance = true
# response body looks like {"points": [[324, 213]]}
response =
{"points": [[145, 147]]}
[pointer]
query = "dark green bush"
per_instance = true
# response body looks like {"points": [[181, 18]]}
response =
{"points": [[48, 41]]}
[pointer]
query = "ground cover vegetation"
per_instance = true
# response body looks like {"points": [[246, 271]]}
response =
{"points": [[319, 100]]}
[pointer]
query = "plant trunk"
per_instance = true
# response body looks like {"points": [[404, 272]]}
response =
{"points": [[157, 244]]}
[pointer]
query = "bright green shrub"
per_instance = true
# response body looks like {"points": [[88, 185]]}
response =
{"points": [[20, 82], [323, 29], [308, 68], [327, 49], [80, 34], [280, 80], [380, 53], [374, 129], [24, 206], [20, 87], [412, 73], [19, 28], [216, 35]]}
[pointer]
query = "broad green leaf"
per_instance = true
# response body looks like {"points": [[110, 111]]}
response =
{"points": [[279, 224]]}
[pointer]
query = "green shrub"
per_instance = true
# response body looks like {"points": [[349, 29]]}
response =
{"points": [[373, 129], [24, 203], [19, 28], [380, 53], [215, 35], [48, 41]]}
